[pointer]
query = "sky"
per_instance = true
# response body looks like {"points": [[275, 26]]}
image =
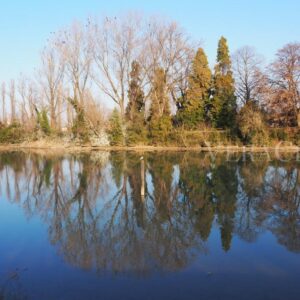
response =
{"points": [[265, 24]]}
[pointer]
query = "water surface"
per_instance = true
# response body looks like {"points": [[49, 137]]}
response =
{"points": [[208, 226]]}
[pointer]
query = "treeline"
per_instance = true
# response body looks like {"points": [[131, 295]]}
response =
{"points": [[161, 84]]}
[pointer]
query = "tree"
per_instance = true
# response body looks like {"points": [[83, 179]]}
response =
{"points": [[251, 124], [192, 110], [135, 111], [248, 75], [120, 41], [135, 93], [284, 100], [74, 46], [12, 96], [50, 77], [167, 45], [115, 130], [43, 121], [160, 123], [80, 126], [115, 42], [28, 98], [224, 100], [3, 98]]}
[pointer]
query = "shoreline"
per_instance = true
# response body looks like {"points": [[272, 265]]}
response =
{"points": [[280, 147]]}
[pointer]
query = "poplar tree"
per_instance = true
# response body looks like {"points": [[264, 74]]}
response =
{"points": [[135, 110], [193, 110], [224, 100], [160, 123]]}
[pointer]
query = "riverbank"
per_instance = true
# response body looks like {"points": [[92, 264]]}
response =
{"points": [[59, 146]]}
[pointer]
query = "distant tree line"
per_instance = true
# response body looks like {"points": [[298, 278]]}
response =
{"points": [[160, 82]]}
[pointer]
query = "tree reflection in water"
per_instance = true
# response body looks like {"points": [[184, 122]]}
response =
{"points": [[98, 219]]}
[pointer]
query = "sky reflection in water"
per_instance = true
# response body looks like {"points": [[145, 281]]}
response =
{"points": [[77, 227]]}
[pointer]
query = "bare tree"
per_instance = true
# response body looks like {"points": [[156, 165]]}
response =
{"points": [[285, 84], [151, 42], [116, 44], [59, 107], [28, 99], [94, 111], [50, 77], [248, 75], [12, 96], [75, 49], [167, 46], [3, 96]]}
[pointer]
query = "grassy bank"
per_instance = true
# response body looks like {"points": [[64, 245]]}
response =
{"points": [[208, 139], [56, 145]]}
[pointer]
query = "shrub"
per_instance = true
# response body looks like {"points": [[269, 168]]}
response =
{"points": [[160, 129], [12, 134], [115, 130], [136, 135], [204, 138], [251, 125]]}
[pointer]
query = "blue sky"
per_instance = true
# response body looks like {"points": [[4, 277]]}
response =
{"points": [[265, 24]]}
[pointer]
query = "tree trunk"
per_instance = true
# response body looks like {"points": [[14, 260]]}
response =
{"points": [[142, 177], [298, 119]]}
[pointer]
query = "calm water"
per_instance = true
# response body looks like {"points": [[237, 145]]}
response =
{"points": [[208, 227]]}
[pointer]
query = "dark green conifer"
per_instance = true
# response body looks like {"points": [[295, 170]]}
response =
{"points": [[135, 111], [193, 111], [224, 100]]}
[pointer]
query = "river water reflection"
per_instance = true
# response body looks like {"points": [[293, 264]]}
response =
{"points": [[208, 226]]}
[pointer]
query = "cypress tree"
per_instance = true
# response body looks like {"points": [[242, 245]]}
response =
{"points": [[160, 124], [193, 109], [224, 100], [135, 111]]}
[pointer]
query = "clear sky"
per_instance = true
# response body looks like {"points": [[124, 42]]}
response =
{"points": [[265, 24]]}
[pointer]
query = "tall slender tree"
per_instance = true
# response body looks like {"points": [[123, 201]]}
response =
{"points": [[3, 98], [136, 104], [224, 99], [160, 123], [192, 110], [12, 96], [135, 110]]}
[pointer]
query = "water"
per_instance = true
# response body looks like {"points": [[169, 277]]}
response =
{"points": [[208, 227]]}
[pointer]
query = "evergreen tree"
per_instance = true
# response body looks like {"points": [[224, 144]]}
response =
{"points": [[224, 101], [135, 111], [115, 131], [42, 121], [193, 109], [80, 128], [160, 124], [225, 188]]}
